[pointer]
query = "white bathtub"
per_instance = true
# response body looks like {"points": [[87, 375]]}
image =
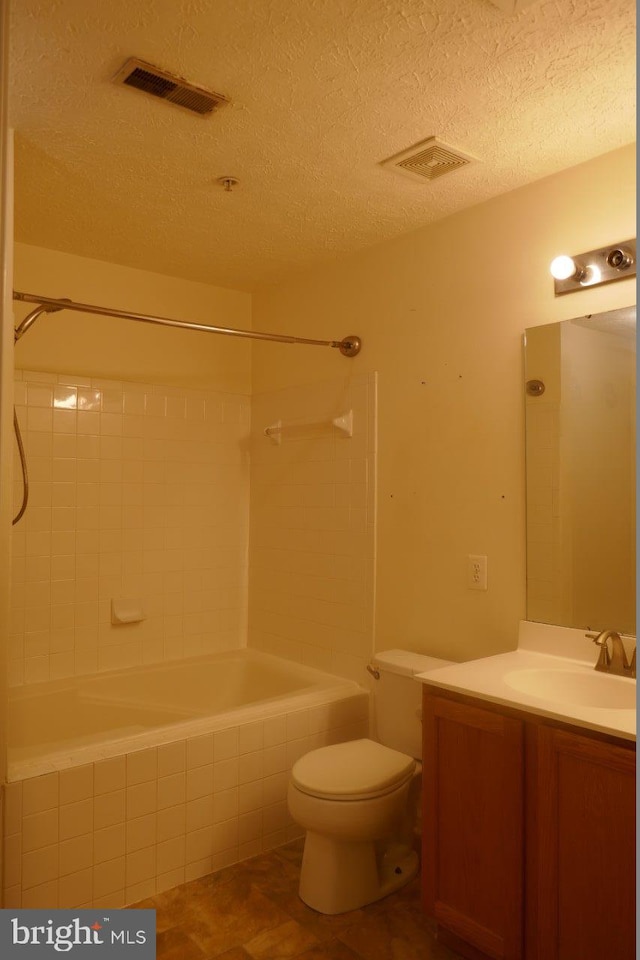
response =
{"points": [[126, 784], [60, 724]]}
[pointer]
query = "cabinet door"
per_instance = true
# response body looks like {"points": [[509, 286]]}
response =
{"points": [[473, 824], [583, 879]]}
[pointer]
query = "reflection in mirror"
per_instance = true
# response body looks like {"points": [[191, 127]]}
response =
{"points": [[580, 456]]}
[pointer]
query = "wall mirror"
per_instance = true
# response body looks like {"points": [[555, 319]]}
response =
{"points": [[580, 397]]}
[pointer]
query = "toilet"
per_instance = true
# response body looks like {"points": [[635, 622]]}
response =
{"points": [[358, 801]]}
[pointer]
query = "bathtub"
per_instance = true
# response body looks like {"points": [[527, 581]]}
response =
{"points": [[122, 785], [61, 724]]}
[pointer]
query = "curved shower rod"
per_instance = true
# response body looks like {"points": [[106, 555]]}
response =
{"points": [[348, 346]]}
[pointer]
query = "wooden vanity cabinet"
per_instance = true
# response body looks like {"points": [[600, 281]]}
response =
{"points": [[581, 833], [528, 834], [473, 822]]}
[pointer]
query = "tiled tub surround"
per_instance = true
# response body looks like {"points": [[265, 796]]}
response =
{"points": [[117, 830], [142, 491], [136, 491], [311, 575]]}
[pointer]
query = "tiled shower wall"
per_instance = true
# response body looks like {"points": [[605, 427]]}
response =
{"points": [[311, 596], [137, 491]]}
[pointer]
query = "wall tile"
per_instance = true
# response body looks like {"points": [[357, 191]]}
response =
{"points": [[199, 813], [250, 767], [199, 751], [44, 896], [76, 819], [225, 836], [109, 809], [12, 853], [40, 866], [76, 889], [142, 766], [142, 799], [140, 865], [76, 784], [225, 805], [199, 782], [171, 790], [171, 758], [109, 843], [225, 744], [141, 833], [171, 822], [250, 737], [76, 854], [108, 877], [99, 457], [39, 794], [12, 808], [109, 775]]}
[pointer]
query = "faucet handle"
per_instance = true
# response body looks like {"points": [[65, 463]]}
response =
{"points": [[600, 639]]}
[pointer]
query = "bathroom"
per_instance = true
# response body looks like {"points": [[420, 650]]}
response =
{"points": [[322, 549]]}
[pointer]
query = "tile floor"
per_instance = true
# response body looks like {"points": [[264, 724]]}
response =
{"points": [[251, 911]]}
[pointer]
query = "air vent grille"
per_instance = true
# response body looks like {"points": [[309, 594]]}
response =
{"points": [[433, 162], [428, 160], [144, 76]]}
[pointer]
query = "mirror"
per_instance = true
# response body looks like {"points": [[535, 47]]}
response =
{"points": [[580, 470]]}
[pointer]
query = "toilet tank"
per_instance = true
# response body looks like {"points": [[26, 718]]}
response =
{"points": [[397, 699]]}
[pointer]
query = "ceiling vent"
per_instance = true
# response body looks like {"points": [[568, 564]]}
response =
{"points": [[144, 76], [428, 160]]}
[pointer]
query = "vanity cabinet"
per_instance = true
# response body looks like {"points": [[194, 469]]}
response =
{"points": [[581, 834], [528, 834]]}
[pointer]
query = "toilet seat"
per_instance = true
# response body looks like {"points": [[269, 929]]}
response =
{"points": [[356, 770]]}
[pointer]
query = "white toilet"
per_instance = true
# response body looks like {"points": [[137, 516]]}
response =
{"points": [[358, 800]]}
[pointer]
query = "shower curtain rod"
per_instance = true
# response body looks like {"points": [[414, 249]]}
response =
{"points": [[348, 346]]}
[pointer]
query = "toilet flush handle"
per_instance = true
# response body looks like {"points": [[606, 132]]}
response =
{"points": [[373, 671]]}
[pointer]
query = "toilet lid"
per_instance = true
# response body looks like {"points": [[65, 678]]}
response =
{"points": [[346, 771]]}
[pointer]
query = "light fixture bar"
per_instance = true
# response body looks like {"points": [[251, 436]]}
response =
{"points": [[617, 261]]}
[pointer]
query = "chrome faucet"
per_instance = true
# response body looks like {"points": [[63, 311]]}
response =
{"points": [[615, 662]]}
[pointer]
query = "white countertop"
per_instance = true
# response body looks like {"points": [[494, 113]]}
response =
{"points": [[494, 679]]}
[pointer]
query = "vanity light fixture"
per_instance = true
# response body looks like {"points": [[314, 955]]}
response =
{"points": [[590, 269]]}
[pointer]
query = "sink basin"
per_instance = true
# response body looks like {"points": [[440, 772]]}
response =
{"points": [[584, 688]]}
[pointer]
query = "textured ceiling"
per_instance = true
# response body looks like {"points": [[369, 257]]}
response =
{"points": [[321, 91]]}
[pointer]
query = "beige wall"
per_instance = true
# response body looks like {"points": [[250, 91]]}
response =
{"points": [[122, 349], [442, 312]]}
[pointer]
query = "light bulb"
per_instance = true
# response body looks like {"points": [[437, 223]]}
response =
{"points": [[563, 267], [590, 275]]}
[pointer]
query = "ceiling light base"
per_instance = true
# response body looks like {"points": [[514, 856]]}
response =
{"points": [[605, 265]]}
